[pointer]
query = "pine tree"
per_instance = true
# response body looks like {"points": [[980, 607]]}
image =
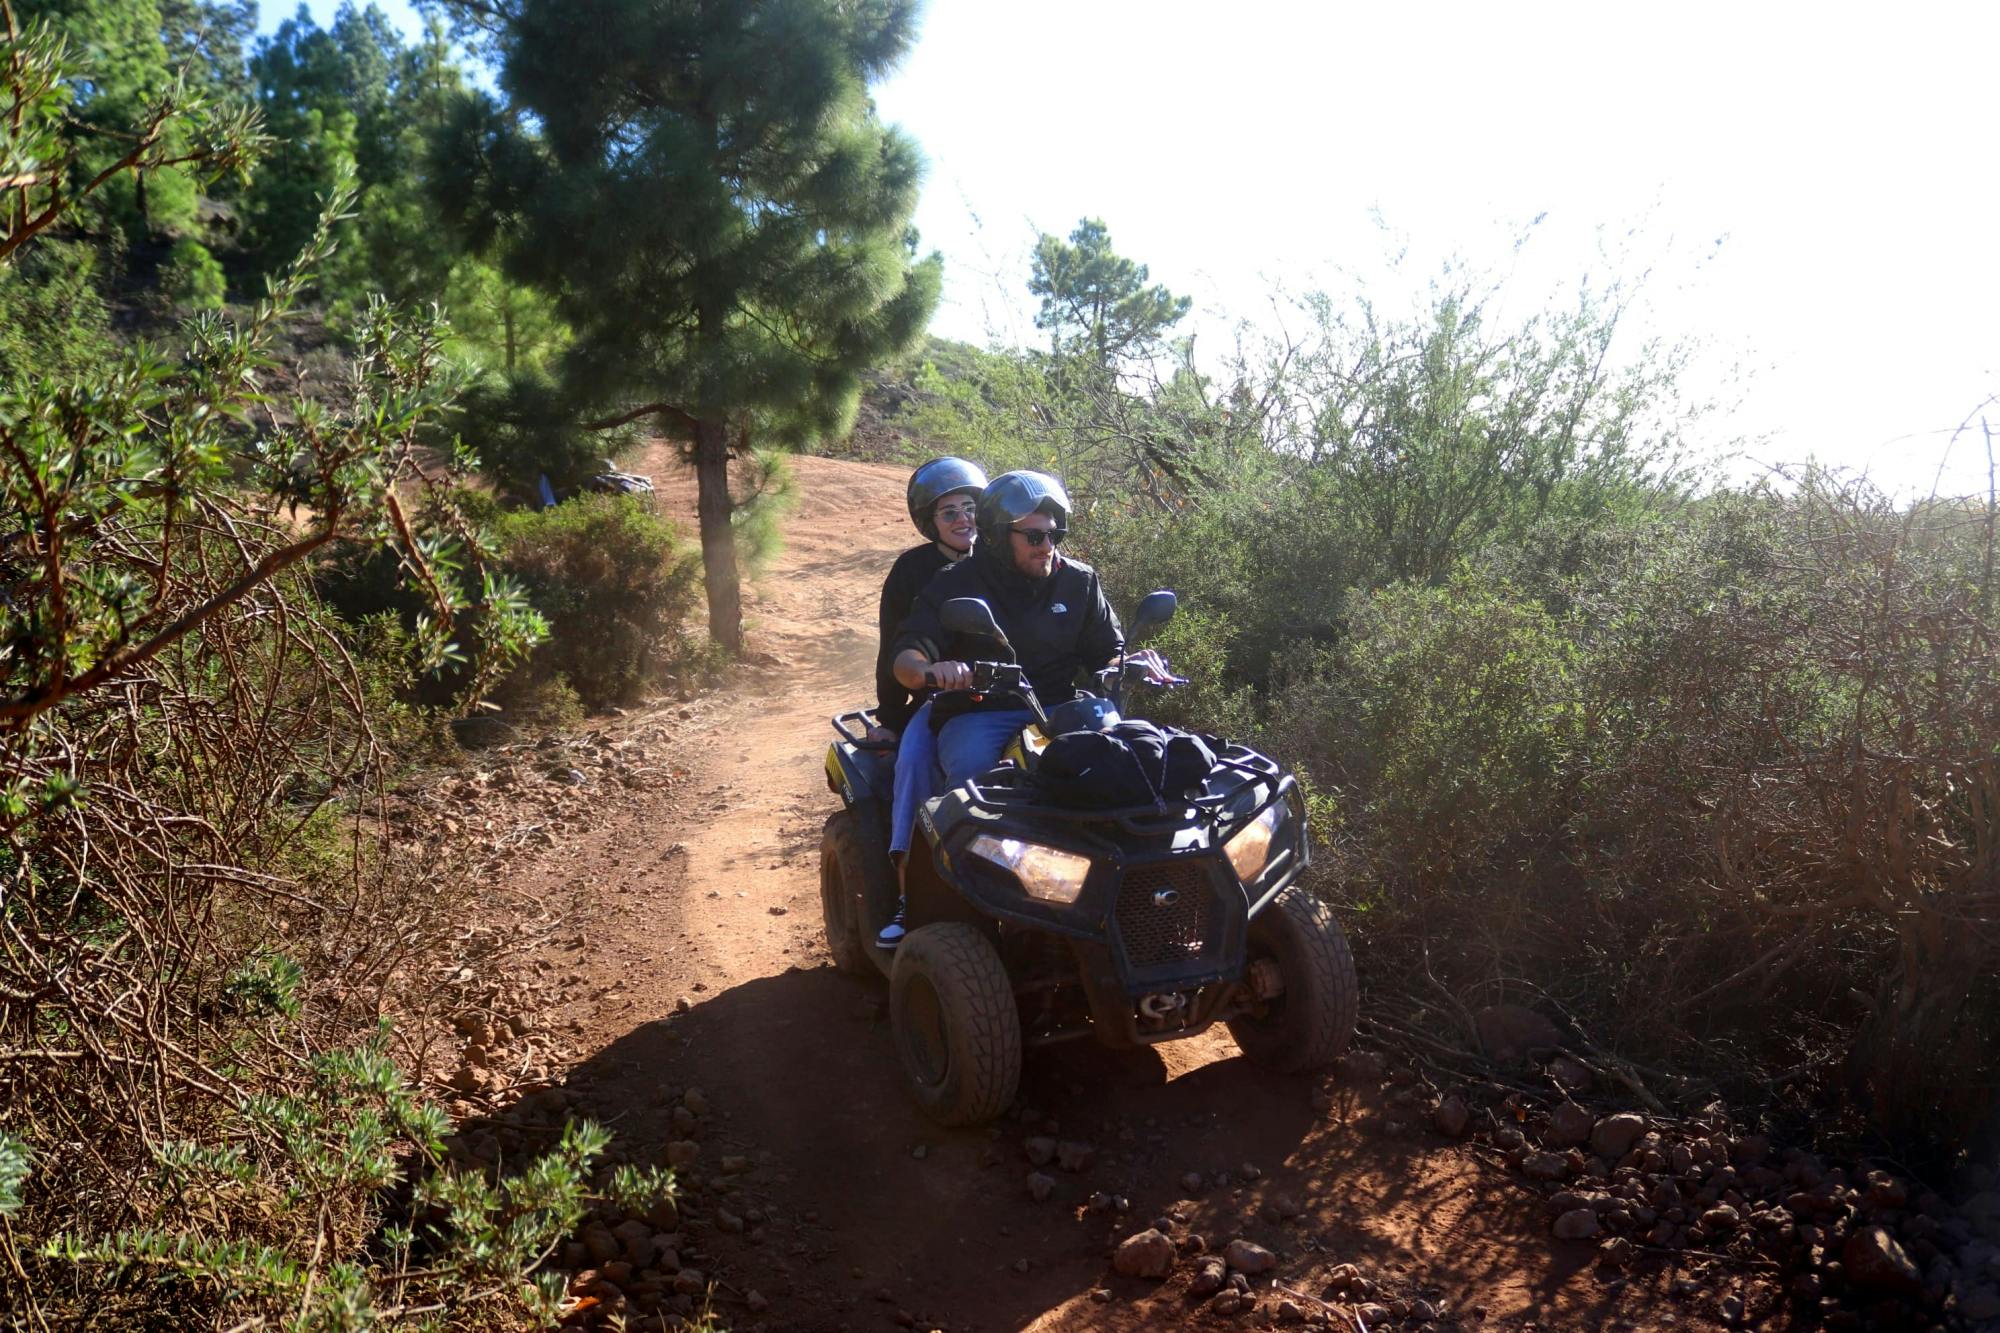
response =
{"points": [[708, 195], [1095, 302], [129, 76]]}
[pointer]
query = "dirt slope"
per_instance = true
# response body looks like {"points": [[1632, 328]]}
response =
{"points": [[698, 962]]}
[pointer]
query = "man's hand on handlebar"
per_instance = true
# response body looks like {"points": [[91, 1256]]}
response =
{"points": [[948, 675], [1151, 667]]}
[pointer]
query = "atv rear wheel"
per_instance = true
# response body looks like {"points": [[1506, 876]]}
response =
{"points": [[958, 1033], [842, 871], [1310, 1023]]}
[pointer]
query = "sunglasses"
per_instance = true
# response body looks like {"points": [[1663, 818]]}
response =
{"points": [[954, 513], [1038, 536]]}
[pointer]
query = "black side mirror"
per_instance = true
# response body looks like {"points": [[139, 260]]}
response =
{"points": [[1155, 610], [971, 616]]}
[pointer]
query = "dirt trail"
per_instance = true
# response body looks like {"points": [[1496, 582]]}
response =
{"points": [[707, 968]]}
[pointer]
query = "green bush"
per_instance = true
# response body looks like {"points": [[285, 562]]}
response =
{"points": [[1453, 709], [54, 323], [191, 279], [615, 582], [320, 1168]]}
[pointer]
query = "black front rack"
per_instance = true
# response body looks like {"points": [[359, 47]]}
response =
{"points": [[1010, 791]]}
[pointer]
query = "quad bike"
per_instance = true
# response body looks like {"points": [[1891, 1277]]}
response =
{"points": [[1031, 923]]}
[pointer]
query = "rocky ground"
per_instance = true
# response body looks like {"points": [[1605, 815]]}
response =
{"points": [[653, 960]]}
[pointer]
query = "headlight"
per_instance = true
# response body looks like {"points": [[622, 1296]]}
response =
{"points": [[1048, 874], [1250, 850]]}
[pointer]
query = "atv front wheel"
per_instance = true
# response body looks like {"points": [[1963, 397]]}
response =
{"points": [[1309, 1024], [951, 1007], [842, 872]]}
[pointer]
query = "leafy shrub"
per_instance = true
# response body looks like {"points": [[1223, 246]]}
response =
{"points": [[317, 1170], [14, 1166], [615, 582], [190, 278], [54, 322], [185, 742], [1453, 710], [1726, 784]]}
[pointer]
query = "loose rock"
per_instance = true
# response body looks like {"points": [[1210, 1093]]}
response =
{"points": [[1874, 1262], [1074, 1157], [1248, 1257], [1149, 1254], [636, 1238], [1577, 1224], [1545, 1166], [1510, 1031], [1040, 1150], [1615, 1134], [1570, 1125], [1361, 1068], [601, 1244], [1210, 1275], [1452, 1117], [1040, 1186]]}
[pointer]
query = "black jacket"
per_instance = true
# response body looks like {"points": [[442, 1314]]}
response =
{"points": [[913, 569], [1060, 626]]}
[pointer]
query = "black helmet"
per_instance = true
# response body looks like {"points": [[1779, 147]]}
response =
{"points": [[935, 480], [1011, 497]]}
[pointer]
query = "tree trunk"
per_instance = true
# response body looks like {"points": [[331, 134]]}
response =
{"points": [[718, 537]]}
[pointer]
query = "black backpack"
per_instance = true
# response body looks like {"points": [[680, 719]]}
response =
{"points": [[1132, 763]]}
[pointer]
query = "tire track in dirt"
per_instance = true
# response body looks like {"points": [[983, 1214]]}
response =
{"points": [[701, 905]]}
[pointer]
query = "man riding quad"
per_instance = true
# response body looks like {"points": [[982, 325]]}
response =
{"points": [[1054, 898], [1053, 609]]}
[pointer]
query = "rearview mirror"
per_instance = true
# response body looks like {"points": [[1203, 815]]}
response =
{"points": [[1155, 610], [971, 616]]}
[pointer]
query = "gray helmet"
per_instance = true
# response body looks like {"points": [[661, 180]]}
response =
{"points": [[935, 480], [1011, 497]]}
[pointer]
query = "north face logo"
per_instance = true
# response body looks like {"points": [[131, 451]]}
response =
{"points": [[1058, 608]]}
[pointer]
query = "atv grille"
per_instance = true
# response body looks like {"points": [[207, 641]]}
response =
{"points": [[1163, 913]]}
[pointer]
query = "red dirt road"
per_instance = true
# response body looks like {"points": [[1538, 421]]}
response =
{"points": [[856, 1212]]}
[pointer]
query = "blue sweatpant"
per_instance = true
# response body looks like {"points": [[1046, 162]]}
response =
{"points": [[916, 778], [971, 743]]}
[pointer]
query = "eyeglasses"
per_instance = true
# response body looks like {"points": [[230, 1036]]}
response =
{"points": [[1038, 536], [953, 513]]}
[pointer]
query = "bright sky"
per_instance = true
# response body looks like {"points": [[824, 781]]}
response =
{"points": [[1812, 186]]}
